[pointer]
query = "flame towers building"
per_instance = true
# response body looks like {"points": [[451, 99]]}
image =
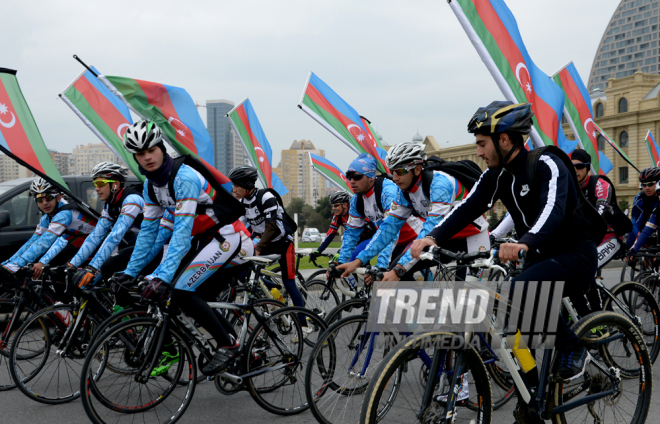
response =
{"points": [[629, 44]]}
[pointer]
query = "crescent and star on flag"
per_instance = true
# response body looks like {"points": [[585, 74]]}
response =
{"points": [[527, 86], [3, 111]]}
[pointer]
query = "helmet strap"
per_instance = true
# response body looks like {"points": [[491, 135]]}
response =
{"points": [[496, 143]]}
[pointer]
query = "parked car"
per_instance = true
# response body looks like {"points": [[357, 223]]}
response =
{"points": [[310, 235], [19, 214]]}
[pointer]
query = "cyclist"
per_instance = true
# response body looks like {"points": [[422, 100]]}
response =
{"points": [[186, 266], [121, 218], [544, 214], [371, 203], [645, 202], [407, 161], [649, 228], [60, 232], [601, 195], [265, 214], [340, 202]]}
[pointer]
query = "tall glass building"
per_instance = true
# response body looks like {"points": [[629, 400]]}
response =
{"points": [[630, 43], [228, 150]]}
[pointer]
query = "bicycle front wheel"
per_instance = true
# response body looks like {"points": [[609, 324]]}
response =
{"points": [[279, 358], [320, 297], [629, 399], [392, 400], [126, 392]]}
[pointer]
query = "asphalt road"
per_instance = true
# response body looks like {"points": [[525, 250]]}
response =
{"points": [[210, 406]]}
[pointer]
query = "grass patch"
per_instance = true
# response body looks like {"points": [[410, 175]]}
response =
{"points": [[315, 245]]}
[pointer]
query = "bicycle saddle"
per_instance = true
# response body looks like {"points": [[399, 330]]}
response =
{"points": [[264, 258], [303, 252]]}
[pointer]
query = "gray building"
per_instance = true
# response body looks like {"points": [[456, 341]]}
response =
{"points": [[227, 147], [630, 43]]}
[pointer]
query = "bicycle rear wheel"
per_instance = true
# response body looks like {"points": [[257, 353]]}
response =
{"points": [[320, 297], [630, 402], [7, 311], [348, 308], [117, 396], [390, 401], [641, 307], [279, 388]]}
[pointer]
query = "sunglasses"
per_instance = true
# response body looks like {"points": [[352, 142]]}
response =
{"points": [[44, 197], [400, 172], [354, 176], [651, 184], [102, 183], [581, 165]]}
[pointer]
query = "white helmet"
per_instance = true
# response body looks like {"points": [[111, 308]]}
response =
{"points": [[41, 186], [109, 170], [405, 155], [142, 135]]}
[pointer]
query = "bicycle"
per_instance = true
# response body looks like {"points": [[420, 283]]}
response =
{"points": [[433, 399], [269, 366]]}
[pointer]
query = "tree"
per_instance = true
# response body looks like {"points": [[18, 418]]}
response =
{"points": [[492, 221], [623, 205], [297, 205], [307, 215], [324, 207]]}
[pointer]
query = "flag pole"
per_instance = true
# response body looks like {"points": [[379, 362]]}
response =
{"points": [[85, 65], [609, 140]]}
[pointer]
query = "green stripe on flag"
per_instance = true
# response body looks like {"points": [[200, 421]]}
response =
{"points": [[83, 106], [498, 57], [333, 122], [247, 142]]}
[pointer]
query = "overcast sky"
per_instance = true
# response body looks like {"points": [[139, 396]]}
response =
{"points": [[407, 65]]}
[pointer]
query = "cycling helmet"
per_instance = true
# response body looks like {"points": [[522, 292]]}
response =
{"points": [[109, 170], [499, 117], [41, 186], [142, 135], [652, 173], [340, 197], [405, 155], [244, 176]]}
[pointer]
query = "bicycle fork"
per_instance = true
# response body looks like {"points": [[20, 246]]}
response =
{"points": [[153, 351]]}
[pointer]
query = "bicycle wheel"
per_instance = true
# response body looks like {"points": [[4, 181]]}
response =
{"points": [[344, 309], [299, 277], [652, 282], [319, 297], [318, 275], [281, 360], [632, 396], [122, 396], [116, 318], [641, 307], [502, 386], [388, 400], [340, 367], [48, 353], [7, 336]]}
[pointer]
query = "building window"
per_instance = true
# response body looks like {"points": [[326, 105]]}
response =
{"points": [[623, 139], [623, 105], [601, 142], [600, 110], [623, 175]]}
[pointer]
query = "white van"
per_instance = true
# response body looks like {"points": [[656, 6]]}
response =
{"points": [[310, 235]]}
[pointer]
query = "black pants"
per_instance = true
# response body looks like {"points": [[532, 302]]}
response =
{"points": [[576, 268]]}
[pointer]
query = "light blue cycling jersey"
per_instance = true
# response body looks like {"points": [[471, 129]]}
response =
{"points": [[356, 222], [446, 192], [190, 188], [51, 236], [131, 207]]}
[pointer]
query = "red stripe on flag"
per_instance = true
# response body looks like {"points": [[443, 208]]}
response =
{"points": [[102, 106], [264, 163], [320, 100], [157, 95], [545, 115], [575, 96], [15, 136], [334, 171]]}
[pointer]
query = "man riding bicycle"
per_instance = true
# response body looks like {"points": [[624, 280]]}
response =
{"points": [[645, 202], [60, 232], [407, 161], [340, 202], [201, 244], [544, 207], [120, 219]]}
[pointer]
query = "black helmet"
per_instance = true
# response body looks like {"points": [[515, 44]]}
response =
{"points": [[244, 176], [499, 117], [340, 197], [650, 174]]}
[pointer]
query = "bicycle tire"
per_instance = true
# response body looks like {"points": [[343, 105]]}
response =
{"points": [[400, 357], [642, 302], [51, 378], [334, 391], [6, 382], [99, 408], [323, 297], [644, 381], [318, 275], [286, 321], [344, 309]]}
